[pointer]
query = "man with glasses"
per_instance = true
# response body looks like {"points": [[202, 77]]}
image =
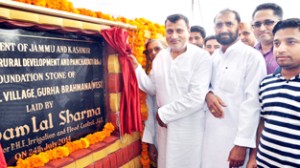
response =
{"points": [[278, 131], [233, 107], [264, 18]]}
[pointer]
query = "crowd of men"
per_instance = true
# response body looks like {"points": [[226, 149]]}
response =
{"points": [[231, 99]]}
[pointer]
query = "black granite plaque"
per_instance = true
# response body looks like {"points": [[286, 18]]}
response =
{"points": [[51, 90]]}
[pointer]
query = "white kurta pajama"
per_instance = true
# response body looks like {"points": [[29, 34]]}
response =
{"points": [[180, 85], [150, 133], [236, 77]]}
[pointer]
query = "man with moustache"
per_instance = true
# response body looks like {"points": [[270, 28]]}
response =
{"points": [[246, 34], [152, 48], [278, 131], [264, 18], [233, 106], [197, 35], [180, 79]]}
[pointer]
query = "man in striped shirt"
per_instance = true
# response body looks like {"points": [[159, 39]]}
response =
{"points": [[279, 128]]}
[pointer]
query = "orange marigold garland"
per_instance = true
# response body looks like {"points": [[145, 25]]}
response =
{"points": [[145, 160], [137, 39], [38, 160]]}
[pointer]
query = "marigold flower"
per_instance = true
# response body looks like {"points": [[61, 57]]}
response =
{"points": [[137, 41]]}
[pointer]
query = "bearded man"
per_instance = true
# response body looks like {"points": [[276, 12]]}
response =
{"points": [[233, 105]]}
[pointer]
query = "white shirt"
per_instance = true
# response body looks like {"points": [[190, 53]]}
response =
{"points": [[236, 77], [149, 135], [180, 85]]}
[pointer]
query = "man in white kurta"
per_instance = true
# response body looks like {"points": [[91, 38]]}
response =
{"points": [[237, 72], [180, 85], [153, 46], [149, 135]]}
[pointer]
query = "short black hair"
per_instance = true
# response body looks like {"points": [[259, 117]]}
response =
{"points": [[211, 37], [288, 23], [273, 6], [199, 29], [175, 17], [224, 11]]}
